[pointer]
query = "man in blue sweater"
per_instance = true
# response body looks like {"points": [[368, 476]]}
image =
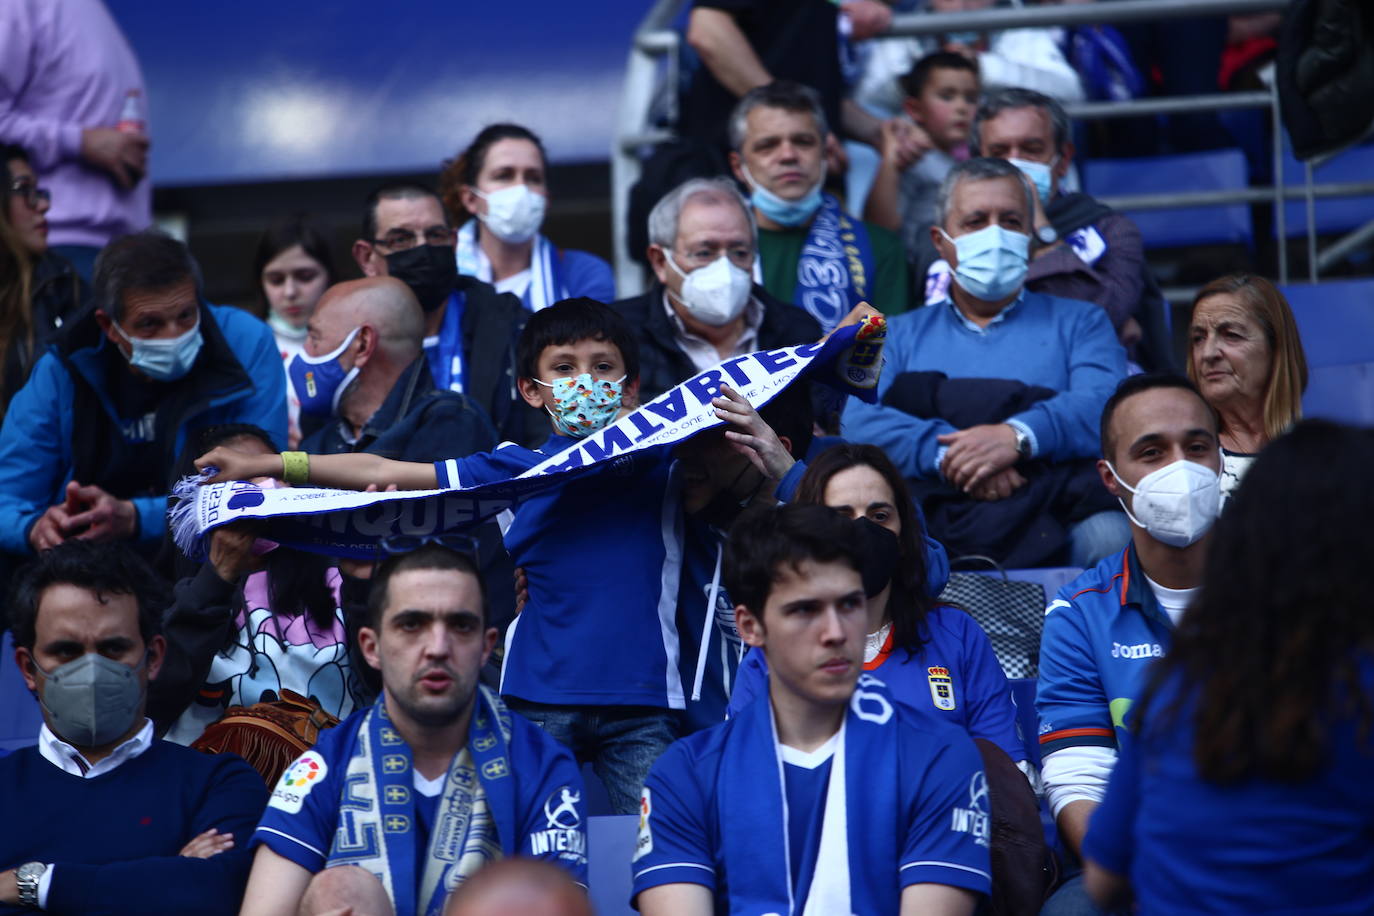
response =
{"points": [[1056, 360], [100, 817]]}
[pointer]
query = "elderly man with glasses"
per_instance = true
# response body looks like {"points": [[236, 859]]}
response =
{"points": [[705, 306], [470, 329]]}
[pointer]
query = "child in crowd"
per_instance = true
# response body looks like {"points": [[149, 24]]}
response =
{"points": [[593, 657], [941, 96]]}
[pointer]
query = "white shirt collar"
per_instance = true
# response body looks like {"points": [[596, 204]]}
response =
{"points": [[701, 351], [999, 317], [69, 760]]}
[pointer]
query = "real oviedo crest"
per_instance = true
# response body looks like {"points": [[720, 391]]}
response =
{"points": [[941, 688]]}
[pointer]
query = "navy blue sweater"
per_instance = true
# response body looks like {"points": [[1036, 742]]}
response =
{"points": [[114, 839]]}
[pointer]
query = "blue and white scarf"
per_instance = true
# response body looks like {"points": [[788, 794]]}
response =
{"points": [[835, 271], [863, 830], [546, 273], [344, 523], [474, 823]]}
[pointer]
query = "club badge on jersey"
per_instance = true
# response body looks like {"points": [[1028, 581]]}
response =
{"points": [[941, 688]]}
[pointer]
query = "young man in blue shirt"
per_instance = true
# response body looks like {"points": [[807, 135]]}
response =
{"points": [[822, 796], [403, 801], [1161, 458]]}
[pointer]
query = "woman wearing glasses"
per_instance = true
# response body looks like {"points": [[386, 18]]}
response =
{"points": [[501, 181], [39, 291]]}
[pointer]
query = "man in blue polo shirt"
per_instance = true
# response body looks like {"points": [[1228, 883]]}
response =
{"points": [[821, 797], [403, 801], [1161, 458]]}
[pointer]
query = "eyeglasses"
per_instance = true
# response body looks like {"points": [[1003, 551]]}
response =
{"points": [[30, 192], [405, 543], [402, 239]]}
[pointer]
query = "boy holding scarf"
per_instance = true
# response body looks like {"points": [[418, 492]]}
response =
{"points": [[403, 801], [820, 798]]}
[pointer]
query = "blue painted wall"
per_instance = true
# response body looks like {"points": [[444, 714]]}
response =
{"points": [[251, 90]]}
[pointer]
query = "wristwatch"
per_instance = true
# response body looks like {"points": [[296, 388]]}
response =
{"points": [[27, 876], [1047, 235], [1023, 442]]}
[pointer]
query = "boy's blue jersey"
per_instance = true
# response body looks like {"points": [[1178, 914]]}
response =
{"points": [[954, 677], [1101, 633], [1254, 846], [602, 560]]}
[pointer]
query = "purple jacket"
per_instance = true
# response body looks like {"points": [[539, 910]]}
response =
{"points": [[65, 66]]}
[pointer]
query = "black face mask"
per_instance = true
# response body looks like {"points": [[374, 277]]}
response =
{"points": [[430, 271], [881, 553]]}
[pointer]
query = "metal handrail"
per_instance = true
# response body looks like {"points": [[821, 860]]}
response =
{"points": [[654, 39]]}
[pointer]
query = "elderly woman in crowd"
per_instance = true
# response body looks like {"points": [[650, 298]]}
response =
{"points": [[1244, 786], [39, 291], [501, 180], [1246, 358]]}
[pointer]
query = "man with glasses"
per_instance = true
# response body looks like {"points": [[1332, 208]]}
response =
{"points": [[405, 800], [470, 329], [368, 376], [704, 307]]}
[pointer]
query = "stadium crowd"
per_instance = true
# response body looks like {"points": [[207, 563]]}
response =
{"points": [[741, 628]]}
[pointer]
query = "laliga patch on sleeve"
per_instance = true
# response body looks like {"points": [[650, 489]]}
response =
{"points": [[645, 844], [307, 771]]}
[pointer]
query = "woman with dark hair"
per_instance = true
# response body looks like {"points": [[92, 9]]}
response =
{"points": [[254, 619], [1246, 357], [934, 658], [39, 291], [1245, 785], [292, 268], [501, 180]]}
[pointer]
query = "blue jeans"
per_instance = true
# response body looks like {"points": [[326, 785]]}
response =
{"points": [[1071, 899], [1097, 537], [621, 742]]}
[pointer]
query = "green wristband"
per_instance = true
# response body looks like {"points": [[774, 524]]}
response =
{"points": [[295, 467]]}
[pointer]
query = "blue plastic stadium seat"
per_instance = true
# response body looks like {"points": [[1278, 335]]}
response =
{"points": [[1217, 170], [20, 717], [610, 847], [1336, 321], [1333, 214]]}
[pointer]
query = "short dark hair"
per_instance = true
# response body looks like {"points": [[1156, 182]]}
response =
{"points": [[427, 556], [791, 415], [394, 190], [102, 567], [464, 168], [765, 540], [1135, 384], [914, 81], [286, 232], [783, 94], [569, 321], [150, 259], [1011, 98]]}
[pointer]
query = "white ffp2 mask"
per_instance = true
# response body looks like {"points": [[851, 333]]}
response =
{"points": [[1176, 504]]}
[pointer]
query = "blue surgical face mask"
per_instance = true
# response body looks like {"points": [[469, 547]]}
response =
{"points": [[164, 359], [992, 262], [784, 212], [1039, 174], [320, 381]]}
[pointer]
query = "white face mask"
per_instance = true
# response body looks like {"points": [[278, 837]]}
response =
{"points": [[1177, 504], [514, 214], [715, 294]]}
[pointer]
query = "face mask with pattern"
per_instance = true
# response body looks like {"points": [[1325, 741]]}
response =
{"points": [[581, 404]]}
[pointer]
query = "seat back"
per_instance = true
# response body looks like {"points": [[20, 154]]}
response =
{"points": [[610, 847], [1332, 214], [1336, 321], [20, 715], [1178, 227]]}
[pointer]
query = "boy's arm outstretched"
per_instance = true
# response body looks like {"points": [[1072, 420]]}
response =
{"points": [[354, 471]]}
